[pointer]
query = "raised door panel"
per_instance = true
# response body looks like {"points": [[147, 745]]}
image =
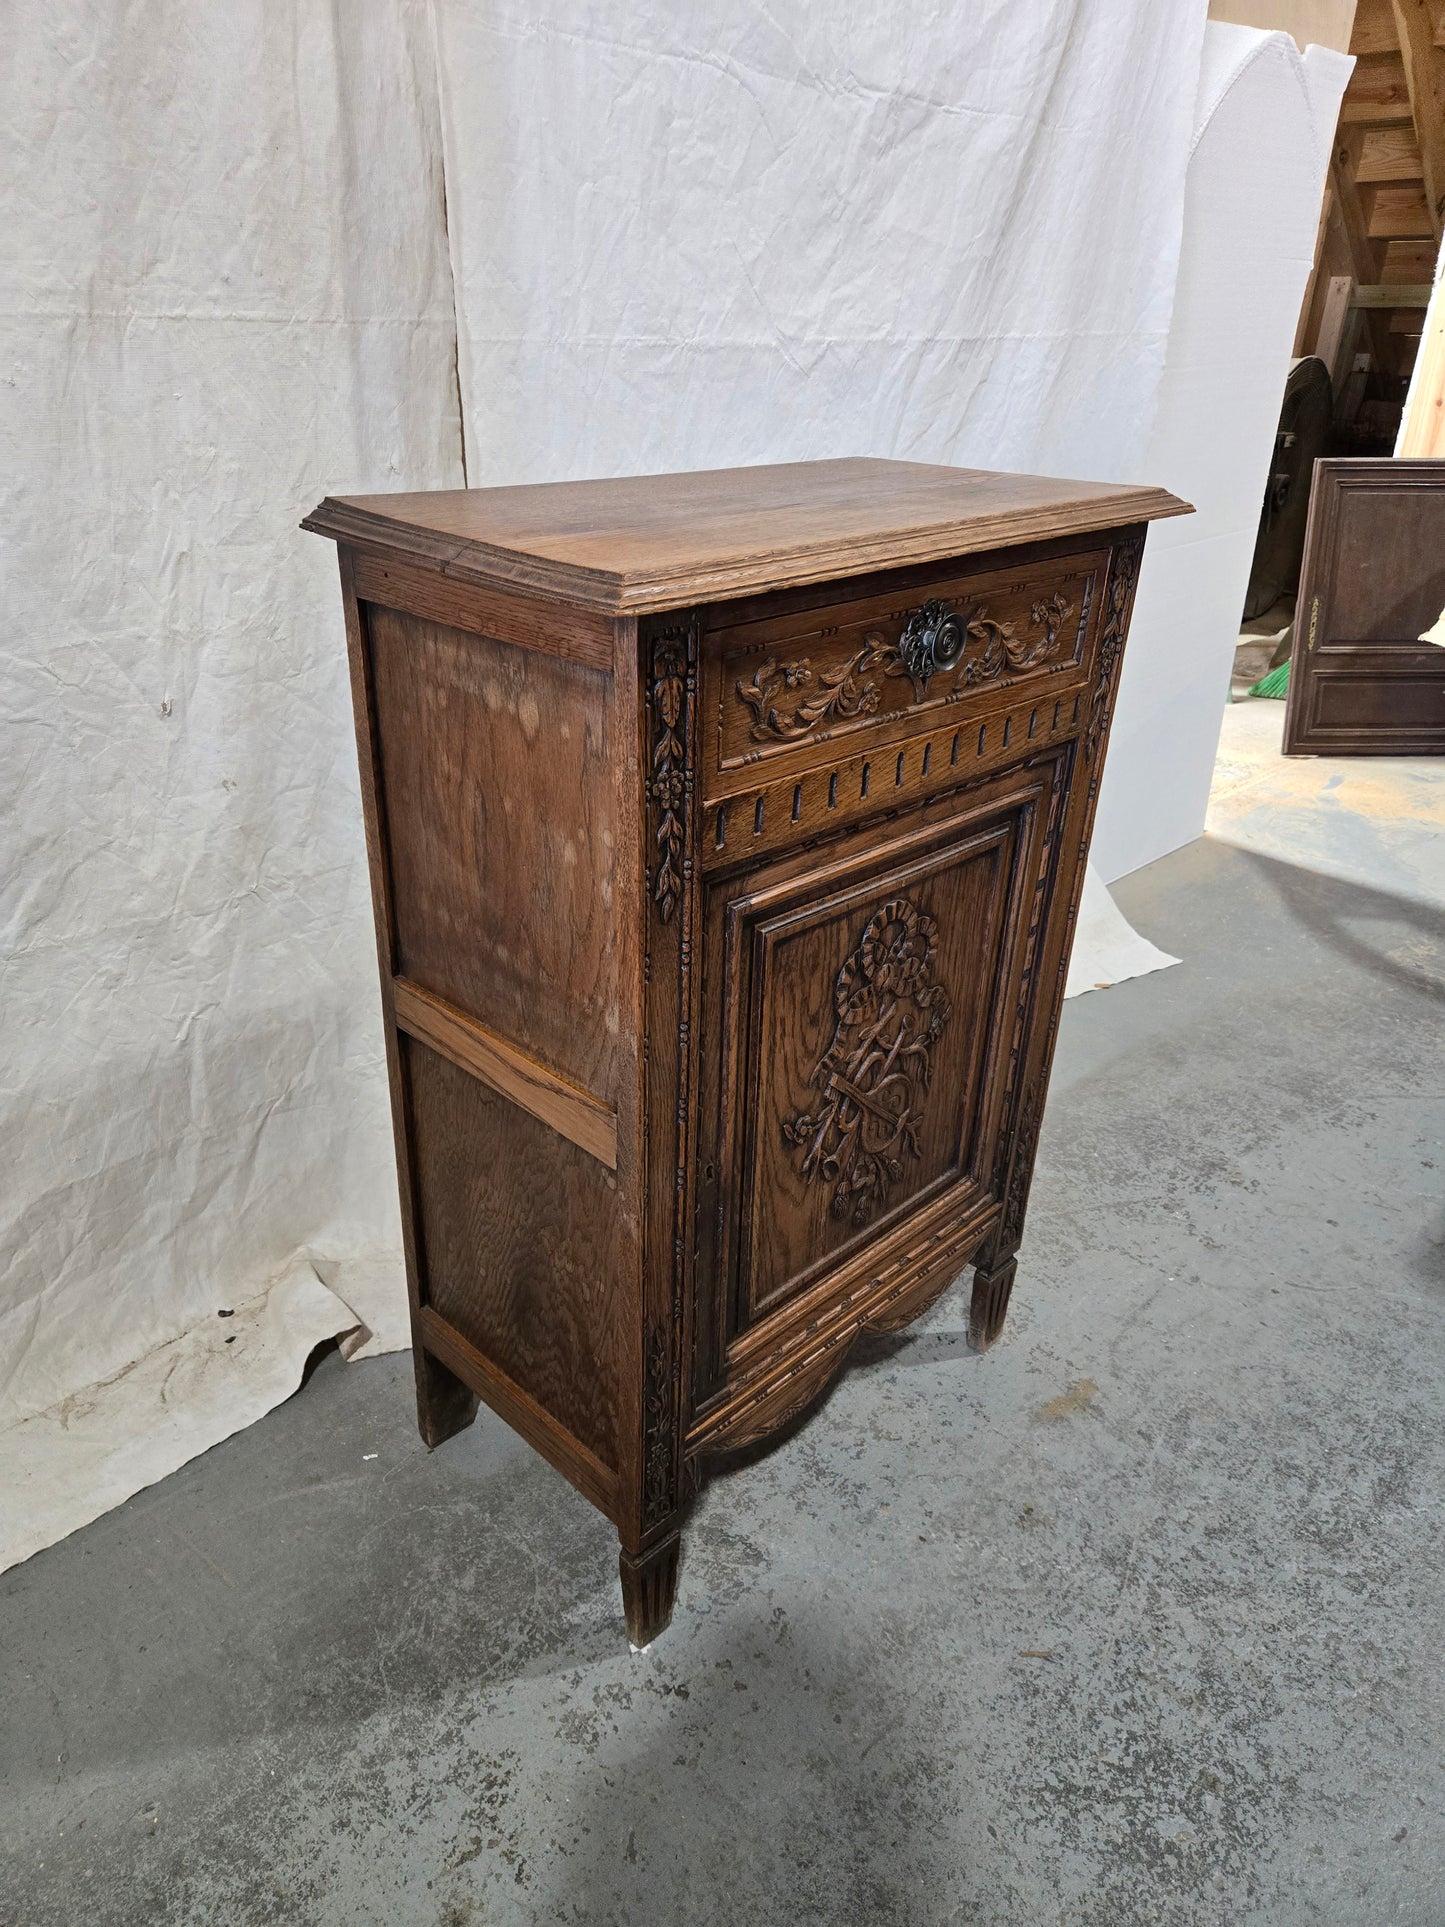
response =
{"points": [[858, 1034], [1371, 584]]}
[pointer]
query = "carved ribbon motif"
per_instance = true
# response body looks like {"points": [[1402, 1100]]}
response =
{"points": [[888, 1014], [986, 650]]}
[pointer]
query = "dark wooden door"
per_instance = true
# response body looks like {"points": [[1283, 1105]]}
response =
{"points": [[856, 1051], [1372, 581]]}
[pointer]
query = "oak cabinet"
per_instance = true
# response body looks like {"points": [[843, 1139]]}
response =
{"points": [[726, 835]]}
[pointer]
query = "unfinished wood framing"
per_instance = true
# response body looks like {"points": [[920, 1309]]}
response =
{"points": [[1422, 428], [1381, 224]]}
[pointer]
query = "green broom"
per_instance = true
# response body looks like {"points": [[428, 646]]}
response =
{"points": [[1276, 683]]}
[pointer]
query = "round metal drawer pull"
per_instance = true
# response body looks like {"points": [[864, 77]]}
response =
{"points": [[933, 638]]}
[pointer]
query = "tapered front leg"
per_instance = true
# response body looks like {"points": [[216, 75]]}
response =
{"points": [[444, 1406], [649, 1587], [993, 1280]]}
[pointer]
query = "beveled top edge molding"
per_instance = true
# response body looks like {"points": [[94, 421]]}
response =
{"points": [[752, 569]]}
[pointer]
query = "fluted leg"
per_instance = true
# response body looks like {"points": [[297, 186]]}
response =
{"points": [[991, 1287], [649, 1587]]}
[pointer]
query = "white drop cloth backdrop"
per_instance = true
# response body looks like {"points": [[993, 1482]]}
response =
{"points": [[226, 291], [259, 252], [688, 237]]}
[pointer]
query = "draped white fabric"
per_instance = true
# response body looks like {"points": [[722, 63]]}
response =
{"points": [[686, 237], [239, 240], [227, 292]]}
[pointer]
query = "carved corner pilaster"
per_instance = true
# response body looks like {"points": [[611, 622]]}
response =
{"points": [[1123, 580], [671, 669]]}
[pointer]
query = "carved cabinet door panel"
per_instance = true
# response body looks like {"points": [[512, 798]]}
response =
{"points": [[860, 1013]]}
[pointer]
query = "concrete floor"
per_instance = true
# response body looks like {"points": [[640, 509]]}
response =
{"points": [[1137, 1620]]}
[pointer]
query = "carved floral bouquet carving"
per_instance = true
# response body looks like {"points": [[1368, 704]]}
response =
{"points": [[873, 1077]]}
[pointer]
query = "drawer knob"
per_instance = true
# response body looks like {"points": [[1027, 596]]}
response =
{"points": [[933, 638]]}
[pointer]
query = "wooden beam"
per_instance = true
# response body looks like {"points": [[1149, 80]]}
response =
{"points": [[1377, 91], [1389, 154], [1392, 295], [1363, 252], [1302, 333], [572, 1112], [1374, 31], [1409, 261], [1423, 76], [1422, 426], [1330, 343], [1397, 212]]}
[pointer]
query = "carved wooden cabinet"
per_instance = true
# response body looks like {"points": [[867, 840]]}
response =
{"points": [[726, 835]]}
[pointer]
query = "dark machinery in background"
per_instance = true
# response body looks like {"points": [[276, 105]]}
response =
{"points": [[1302, 437]]}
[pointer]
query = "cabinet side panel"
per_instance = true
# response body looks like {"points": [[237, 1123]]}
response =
{"points": [[504, 796], [514, 1227], [501, 805]]}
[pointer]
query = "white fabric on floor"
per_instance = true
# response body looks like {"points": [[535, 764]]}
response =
{"points": [[66, 1466], [681, 237], [1107, 948]]}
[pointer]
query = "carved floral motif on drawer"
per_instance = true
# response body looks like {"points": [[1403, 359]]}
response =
{"points": [[804, 678]]}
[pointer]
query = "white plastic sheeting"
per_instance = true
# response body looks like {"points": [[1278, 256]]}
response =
{"points": [[1265, 128], [238, 240]]}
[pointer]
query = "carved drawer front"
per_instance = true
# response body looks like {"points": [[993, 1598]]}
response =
{"points": [[889, 663], [857, 1023]]}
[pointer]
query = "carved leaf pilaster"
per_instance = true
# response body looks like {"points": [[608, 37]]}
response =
{"points": [[1123, 577]]}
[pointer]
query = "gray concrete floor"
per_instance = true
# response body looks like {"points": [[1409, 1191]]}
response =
{"points": [[1137, 1620]]}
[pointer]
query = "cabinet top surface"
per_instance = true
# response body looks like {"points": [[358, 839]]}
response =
{"points": [[663, 541]]}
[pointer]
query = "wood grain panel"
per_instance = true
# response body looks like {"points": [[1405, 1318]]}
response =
{"points": [[1389, 154], [515, 1228], [1397, 710], [1377, 91], [1398, 213], [502, 821], [1374, 28], [1408, 262], [439, 1343]]}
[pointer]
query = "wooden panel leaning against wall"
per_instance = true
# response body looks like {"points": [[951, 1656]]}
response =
{"points": [[726, 832], [1363, 681]]}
